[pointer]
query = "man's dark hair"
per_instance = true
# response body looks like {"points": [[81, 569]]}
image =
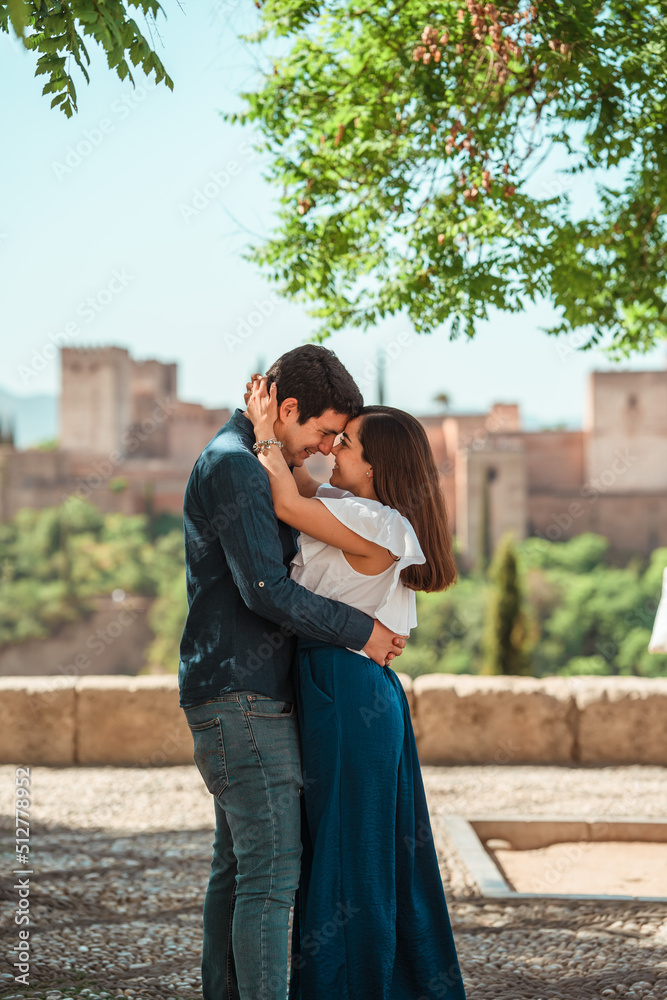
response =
{"points": [[317, 379]]}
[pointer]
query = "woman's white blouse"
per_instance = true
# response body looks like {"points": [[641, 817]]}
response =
{"points": [[324, 569]]}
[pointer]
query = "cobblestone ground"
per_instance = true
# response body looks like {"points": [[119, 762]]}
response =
{"points": [[121, 858]]}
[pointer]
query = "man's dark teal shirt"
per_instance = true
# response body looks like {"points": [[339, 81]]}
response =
{"points": [[244, 610]]}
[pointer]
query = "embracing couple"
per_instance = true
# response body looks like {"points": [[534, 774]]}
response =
{"points": [[300, 595]]}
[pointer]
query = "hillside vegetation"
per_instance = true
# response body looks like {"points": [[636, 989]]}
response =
{"points": [[53, 561], [574, 612]]}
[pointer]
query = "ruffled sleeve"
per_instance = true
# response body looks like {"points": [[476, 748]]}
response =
{"points": [[375, 522], [327, 490], [386, 527]]}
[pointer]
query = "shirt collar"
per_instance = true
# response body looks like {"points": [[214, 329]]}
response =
{"points": [[244, 427]]}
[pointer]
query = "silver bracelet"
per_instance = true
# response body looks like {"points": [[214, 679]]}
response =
{"points": [[263, 446]]}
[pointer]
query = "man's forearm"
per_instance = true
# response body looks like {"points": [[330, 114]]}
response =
{"points": [[287, 603], [255, 558]]}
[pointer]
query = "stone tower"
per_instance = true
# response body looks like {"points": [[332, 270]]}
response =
{"points": [[153, 384], [627, 417], [95, 402]]}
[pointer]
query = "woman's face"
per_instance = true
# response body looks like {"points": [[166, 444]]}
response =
{"points": [[349, 471]]}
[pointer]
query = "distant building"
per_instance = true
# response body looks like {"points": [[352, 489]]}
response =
{"points": [[610, 477], [128, 443]]}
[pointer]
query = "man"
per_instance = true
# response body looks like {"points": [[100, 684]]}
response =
{"points": [[234, 675]]}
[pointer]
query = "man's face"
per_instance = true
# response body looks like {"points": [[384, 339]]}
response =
{"points": [[300, 441]]}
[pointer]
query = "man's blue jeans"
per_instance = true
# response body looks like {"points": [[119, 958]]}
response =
{"points": [[247, 750]]}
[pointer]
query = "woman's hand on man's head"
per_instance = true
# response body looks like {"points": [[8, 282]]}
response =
{"points": [[262, 405], [249, 385]]}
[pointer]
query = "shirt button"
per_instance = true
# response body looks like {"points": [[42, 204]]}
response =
{"points": [[261, 583]]}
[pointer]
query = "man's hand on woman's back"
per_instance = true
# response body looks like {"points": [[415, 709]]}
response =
{"points": [[384, 644]]}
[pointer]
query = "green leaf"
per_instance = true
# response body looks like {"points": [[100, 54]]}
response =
{"points": [[378, 215], [58, 31], [18, 15]]}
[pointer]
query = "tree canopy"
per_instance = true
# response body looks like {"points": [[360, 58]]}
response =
{"points": [[55, 31], [404, 136]]}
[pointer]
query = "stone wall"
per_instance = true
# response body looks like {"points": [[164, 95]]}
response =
{"points": [[632, 523], [554, 462], [465, 719], [458, 719]]}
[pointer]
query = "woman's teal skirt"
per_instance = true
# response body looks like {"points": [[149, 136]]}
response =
{"points": [[371, 921]]}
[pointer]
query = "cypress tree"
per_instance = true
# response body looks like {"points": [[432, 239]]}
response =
{"points": [[484, 536], [505, 634]]}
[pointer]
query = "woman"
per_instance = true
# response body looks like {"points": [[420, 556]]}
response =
{"points": [[371, 920]]}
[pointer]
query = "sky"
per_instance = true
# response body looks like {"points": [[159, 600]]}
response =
{"points": [[126, 225]]}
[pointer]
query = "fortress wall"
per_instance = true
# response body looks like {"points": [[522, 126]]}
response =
{"points": [[554, 460], [434, 427], [190, 428], [632, 523], [153, 378], [445, 462], [458, 719]]}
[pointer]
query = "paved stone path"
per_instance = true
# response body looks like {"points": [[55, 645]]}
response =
{"points": [[121, 858]]}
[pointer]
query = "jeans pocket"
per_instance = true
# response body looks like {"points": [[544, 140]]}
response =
{"points": [[261, 707], [209, 755], [274, 732]]}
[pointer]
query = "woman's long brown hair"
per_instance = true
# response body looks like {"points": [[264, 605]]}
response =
{"points": [[406, 478]]}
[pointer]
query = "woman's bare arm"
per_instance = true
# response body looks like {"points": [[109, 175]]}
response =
{"points": [[310, 515], [307, 514], [306, 485]]}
